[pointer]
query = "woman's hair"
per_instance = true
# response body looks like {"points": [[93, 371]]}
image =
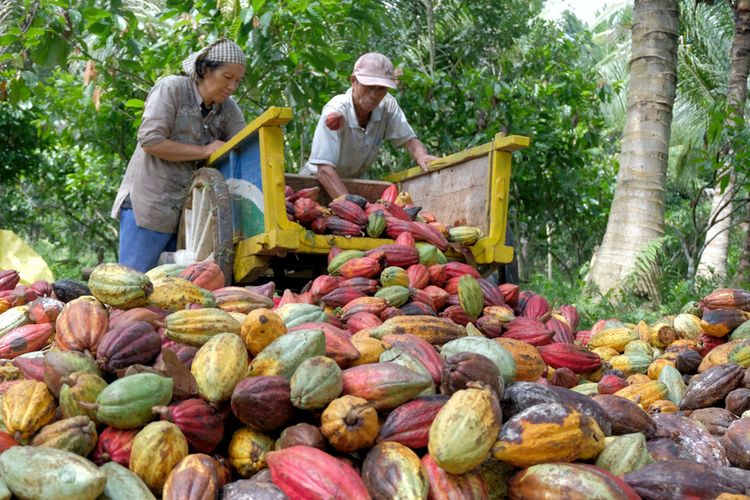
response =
{"points": [[204, 67]]}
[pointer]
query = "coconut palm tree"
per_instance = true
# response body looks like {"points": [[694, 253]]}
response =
{"points": [[713, 262], [637, 214]]}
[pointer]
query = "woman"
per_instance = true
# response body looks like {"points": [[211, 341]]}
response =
{"points": [[186, 118]]}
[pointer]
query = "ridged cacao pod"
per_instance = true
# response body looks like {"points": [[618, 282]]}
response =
{"points": [[711, 386], [350, 423], [462, 368], [446, 486], [301, 434], [27, 406], [248, 450], [409, 424], [263, 402], [128, 344], [558, 480], [58, 365], [114, 445], [197, 420], [391, 470], [577, 358], [207, 275], [81, 325], [80, 387], [470, 296], [626, 416], [195, 477], [76, 435], [306, 472], [34, 472], [465, 429], [315, 383], [126, 403], [26, 338], [45, 310], [624, 454], [156, 450], [528, 439], [663, 480], [286, 353], [120, 286], [385, 385], [218, 366]]}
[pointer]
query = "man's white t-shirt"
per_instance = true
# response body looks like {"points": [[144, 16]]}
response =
{"points": [[352, 149]]}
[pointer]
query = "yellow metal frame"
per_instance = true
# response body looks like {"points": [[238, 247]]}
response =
{"points": [[282, 236]]}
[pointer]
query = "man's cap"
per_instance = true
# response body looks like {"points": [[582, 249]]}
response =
{"points": [[374, 68]]}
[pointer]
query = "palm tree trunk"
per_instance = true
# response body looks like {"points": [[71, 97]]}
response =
{"points": [[713, 261], [637, 214], [737, 95]]}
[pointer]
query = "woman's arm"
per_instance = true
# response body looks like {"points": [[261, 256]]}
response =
{"points": [[177, 151]]}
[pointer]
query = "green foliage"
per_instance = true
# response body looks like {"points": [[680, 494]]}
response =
{"points": [[19, 151]]}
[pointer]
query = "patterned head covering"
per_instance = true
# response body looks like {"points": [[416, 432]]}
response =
{"points": [[222, 50]]}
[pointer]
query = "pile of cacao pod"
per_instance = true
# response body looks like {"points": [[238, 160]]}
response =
{"points": [[392, 214], [392, 376]]}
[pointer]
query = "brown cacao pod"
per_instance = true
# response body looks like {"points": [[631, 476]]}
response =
{"points": [[263, 402]]}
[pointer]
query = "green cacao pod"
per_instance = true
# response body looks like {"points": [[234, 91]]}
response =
{"points": [[126, 403], [375, 224], [35, 472], [315, 383], [286, 353], [470, 296], [394, 295]]}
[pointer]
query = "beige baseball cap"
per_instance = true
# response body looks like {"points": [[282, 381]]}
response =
{"points": [[374, 68]]}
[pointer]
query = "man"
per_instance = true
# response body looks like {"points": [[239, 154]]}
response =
{"points": [[353, 126]]}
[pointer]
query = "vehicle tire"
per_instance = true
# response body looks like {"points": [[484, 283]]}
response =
{"points": [[504, 273]]}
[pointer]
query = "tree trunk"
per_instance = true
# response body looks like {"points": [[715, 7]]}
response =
{"points": [[637, 214], [737, 95], [713, 261]]}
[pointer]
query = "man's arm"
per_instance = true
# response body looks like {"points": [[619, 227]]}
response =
{"points": [[331, 181], [419, 153]]}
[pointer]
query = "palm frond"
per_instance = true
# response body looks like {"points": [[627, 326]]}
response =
{"points": [[646, 277]]}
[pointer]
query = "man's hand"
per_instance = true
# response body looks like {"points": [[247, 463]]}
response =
{"points": [[423, 160], [334, 120], [419, 153]]}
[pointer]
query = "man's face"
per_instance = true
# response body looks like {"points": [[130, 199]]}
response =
{"points": [[367, 97]]}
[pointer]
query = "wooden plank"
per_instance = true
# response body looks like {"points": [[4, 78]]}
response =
{"points": [[454, 193], [370, 190], [442, 163]]}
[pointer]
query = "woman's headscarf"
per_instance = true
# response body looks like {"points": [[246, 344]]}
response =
{"points": [[222, 50]]}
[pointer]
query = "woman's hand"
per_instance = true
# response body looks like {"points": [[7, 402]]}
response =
{"points": [[211, 148]]}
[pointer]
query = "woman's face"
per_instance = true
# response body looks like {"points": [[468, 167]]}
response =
{"points": [[218, 84], [367, 97]]}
